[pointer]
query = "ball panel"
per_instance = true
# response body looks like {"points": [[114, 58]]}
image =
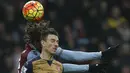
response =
{"points": [[40, 13], [35, 5], [30, 15], [34, 8], [31, 11], [40, 8], [28, 4], [34, 13], [25, 12]]}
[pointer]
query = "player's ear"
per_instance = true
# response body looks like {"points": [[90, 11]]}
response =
{"points": [[42, 43]]}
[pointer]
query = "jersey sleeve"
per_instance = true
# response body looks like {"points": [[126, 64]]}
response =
{"points": [[32, 54], [27, 68], [68, 68], [73, 55]]}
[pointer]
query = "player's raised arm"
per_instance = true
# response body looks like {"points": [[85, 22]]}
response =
{"points": [[85, 56], [74, 55]]}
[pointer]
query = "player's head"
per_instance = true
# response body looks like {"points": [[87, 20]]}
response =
{"points": [[33, 32], [49, 40]]}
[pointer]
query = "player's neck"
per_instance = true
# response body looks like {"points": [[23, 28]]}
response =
{"points": [[45, 55]]}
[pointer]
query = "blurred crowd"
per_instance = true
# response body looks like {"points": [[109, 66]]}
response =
{"points": [[85, 25]]}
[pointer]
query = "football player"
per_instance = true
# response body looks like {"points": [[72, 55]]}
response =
{"points": [[33, 38]]}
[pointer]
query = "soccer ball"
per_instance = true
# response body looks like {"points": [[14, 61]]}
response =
{"points": [[33, 11]]}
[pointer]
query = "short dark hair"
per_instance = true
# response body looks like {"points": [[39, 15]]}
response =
{"points": [[37, 31], [48, 31]]}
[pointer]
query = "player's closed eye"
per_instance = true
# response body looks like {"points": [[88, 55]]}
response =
{"points": [[53, 40]]}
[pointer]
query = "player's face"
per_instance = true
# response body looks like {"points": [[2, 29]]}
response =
{"points": [[51, 43]]}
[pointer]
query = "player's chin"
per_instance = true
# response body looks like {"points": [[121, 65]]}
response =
{"points": [[53, 52]]}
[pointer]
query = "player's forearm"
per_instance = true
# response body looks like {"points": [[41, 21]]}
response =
{"points": [[74, 68], [95, 68], [78, 55]]}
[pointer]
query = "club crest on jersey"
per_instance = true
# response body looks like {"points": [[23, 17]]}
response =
{"points": [[58, 68]]}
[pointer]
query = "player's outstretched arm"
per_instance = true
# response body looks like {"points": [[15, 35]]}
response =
{"points": [[95, 68], [77, 56]]}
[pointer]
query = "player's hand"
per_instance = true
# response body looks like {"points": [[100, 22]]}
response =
{"points": [[110, 53], [98, 68]]}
